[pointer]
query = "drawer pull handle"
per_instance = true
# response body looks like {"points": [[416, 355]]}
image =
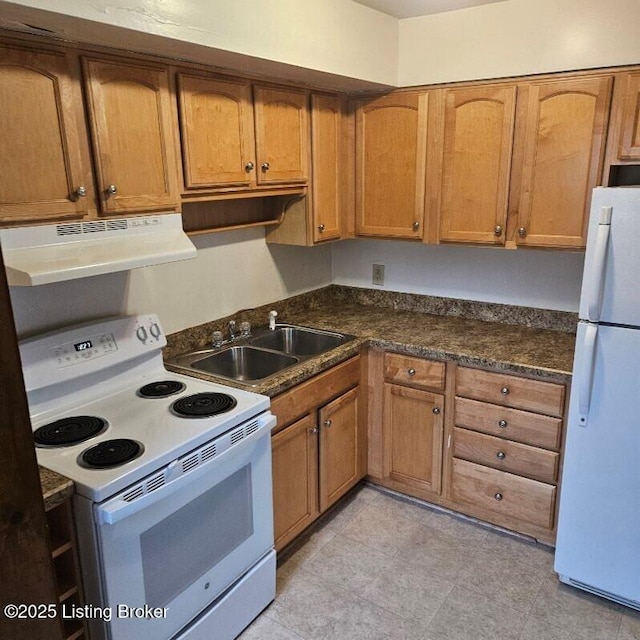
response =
{"points": [[498, 497], [502, 424], [411, 372], [501, 455], [436, 410], [327, 422], [504, 391]]}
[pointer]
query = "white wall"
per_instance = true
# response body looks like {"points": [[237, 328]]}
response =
{"points": [[541, 279], [337, 37], [518, 37], [234, 270]]}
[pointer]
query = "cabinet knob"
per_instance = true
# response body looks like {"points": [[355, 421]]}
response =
{"points": [[321, 228], [80, 192], [497, 230], [522, 232], [249, 167], [415, 226], [111, 190], [504, 391], [502, 423], [411, 372], [265, 166], [501, 455], [313, 430], [498, 496], [327, 422], [436, 410]]}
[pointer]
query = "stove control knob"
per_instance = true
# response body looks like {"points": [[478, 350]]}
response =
{"points": [[142, 335], [154, 330]]}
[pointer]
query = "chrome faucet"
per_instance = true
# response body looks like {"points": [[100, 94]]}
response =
{"points": [[272, 319], [232, 330]]}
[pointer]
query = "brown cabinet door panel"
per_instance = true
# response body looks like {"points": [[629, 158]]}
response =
{"points": [[562, 159], [391, 142], [282, 135], [44, 159], [340, 448], [295, 479], [216, 123], [629, 144], [133, 135], [326, 158], [478, 140], [412, 436]]}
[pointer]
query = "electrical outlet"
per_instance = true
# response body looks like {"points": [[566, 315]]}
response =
{"points": [[377, 275]]}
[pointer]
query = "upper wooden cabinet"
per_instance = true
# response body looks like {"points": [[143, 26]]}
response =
{"points": [[282, 135], [216, 124], [45, 169], [476, 162], [562, 152], [628, 140], [319, 216], [391, 151], [133, 130]]}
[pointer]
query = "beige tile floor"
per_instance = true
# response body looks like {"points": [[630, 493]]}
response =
{"points": [[383, 568]]}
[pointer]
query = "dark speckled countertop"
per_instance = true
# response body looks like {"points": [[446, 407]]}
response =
{"points": [[517, 340]]}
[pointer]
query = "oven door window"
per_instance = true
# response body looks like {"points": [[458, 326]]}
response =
{"points": [[196, 537], [190, 541]]}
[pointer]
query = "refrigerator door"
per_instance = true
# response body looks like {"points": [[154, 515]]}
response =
{"points": [[610, 290], [599, 522]]}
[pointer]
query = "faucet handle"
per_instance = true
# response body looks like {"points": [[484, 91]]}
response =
{"points": [[272, 319], [245, 329], [216, 339]]}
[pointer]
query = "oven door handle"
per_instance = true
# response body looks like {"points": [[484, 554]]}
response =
{"points": [[116, 509]]}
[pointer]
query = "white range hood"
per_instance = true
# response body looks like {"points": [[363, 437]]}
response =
{"points": [[69, 250]]}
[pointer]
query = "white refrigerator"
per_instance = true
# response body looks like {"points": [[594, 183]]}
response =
{"points": [[598, 543]]}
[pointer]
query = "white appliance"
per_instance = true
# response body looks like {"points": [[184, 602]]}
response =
{"points": [[598, 542], [172, 474], [69, 250]]}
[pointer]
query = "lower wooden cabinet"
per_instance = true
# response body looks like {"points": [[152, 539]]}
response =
{"points": [[412, 435], [318, 448], [66, 568], [483, 443], [506, 437]]}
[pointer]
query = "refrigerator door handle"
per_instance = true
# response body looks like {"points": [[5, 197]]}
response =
{"points": [[585, 380], [595, 276]]}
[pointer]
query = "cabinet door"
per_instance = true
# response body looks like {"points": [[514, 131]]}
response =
{"points": [[341, 448], [629, 141], [44, 165], [282, 135], [563, 152], [326, 169], [295, 479], [412, 435], [391, 149], [133, 128], [216, 123], [476, 163]]}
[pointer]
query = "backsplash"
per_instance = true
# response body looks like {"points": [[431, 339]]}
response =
{"points": [[199, 337]]}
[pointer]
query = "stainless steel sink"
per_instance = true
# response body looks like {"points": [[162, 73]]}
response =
{"points": [[252, 360], [299, 341], [243, 363]]}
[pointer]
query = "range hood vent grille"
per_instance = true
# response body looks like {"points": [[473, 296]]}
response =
{"points": [[69, 250]]}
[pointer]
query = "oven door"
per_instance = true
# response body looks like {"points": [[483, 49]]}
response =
{"points": [[177, 548]]}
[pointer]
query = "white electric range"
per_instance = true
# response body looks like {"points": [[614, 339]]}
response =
{"points": [[172, 475]]}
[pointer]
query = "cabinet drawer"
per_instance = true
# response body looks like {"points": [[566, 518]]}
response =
{"points": [[522, 393], [417, 372], [504, 422], [503, 493], [506, 455]]}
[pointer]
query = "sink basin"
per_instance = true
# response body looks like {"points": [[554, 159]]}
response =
{"points": [[259, 357], [243, 363], [300, 341]]}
